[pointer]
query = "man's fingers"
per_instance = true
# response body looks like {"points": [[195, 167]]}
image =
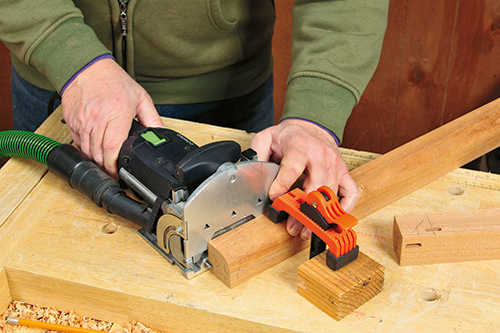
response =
{"points": [[349, 193], [292, 167], [147, 114], [294, 228], [113, 139], [261, 143]]}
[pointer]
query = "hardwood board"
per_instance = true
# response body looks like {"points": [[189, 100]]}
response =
{"points": [[445, 237], [339, 293], [263, 248]]}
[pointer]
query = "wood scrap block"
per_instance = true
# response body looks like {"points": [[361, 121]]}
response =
{"points": [[338, 293], [246, 251], [447, 237]]}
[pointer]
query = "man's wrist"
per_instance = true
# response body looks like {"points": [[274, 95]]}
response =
{"points": [[96, 59], [316, 124]]}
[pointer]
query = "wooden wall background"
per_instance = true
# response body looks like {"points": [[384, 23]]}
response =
{"points": [[5, 102], [440, 60]]}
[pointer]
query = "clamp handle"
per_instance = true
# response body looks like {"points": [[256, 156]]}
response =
{"points": [[321, 212]]}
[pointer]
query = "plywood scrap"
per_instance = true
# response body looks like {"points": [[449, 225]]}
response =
{"points": [[447, 237], [338, 293]]}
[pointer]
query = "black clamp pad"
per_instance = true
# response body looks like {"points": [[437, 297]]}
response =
{"points": [[337, 263], [276, 216]]}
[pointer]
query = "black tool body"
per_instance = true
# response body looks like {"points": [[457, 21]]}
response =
{"points": [[164, 160]]}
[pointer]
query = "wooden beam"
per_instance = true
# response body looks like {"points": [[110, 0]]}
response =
{"points": [[338, 293], [272, 242], [447, 237]]}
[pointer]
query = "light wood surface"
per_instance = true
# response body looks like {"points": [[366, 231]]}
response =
{"points": [[59, 249], [443, 237], [5, 298]]}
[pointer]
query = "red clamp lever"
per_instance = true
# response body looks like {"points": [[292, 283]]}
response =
{"points": [[321, 212]]}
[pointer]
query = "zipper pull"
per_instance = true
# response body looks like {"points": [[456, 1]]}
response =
{"points": [[123, 17]]}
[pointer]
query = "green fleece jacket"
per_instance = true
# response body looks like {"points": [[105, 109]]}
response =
{"points": [[204, 50]]}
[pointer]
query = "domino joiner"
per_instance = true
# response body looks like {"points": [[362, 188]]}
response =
{"points": [[195, 193]]}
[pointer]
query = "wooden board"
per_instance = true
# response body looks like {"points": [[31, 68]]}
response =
{"points": [[443, 237], [272, 243], [339, 293], [57, 243]]}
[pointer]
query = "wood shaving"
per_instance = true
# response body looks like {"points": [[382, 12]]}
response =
{"points": [[71, 318]]}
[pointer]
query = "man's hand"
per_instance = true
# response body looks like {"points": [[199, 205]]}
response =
{"points": [[303, 147], [99, 106]]}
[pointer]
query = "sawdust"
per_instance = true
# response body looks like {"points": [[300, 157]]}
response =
{"points": [[71, 318]]}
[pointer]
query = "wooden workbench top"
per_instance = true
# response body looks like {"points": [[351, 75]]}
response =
{"points": [[57, 248]]}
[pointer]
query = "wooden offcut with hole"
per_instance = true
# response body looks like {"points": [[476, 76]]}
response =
{"points": [[447, 237]]}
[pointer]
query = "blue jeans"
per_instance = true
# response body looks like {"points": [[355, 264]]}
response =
{"points": [[252, 112]]}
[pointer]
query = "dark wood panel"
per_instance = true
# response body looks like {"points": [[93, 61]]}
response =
{"points": [[427, 45], [475, 68], [282, 41], [371, 124], [5, 100]]}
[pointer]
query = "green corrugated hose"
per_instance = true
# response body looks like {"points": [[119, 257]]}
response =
{"points": [[27, 145]]}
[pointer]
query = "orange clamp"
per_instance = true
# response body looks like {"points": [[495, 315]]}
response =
{"points": [[339, 237]]}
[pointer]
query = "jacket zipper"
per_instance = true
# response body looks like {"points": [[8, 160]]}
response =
{"points": [[124, 29], [123, 17]]}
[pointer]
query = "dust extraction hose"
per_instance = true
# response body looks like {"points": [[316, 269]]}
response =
{"points": [[27, 145], [70, 164]]}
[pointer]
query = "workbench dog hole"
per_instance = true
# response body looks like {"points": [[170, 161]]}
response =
{"points": [[455, 190], [109, 228], [430, 295]]}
